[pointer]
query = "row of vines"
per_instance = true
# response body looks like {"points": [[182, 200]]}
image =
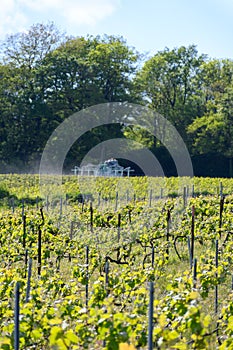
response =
{"points": [[84, 272]]}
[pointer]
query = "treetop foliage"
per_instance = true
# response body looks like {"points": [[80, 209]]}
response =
{"points": [[45, 76]]}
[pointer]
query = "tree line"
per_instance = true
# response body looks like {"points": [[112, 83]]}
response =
{"points": [[46, 76]]}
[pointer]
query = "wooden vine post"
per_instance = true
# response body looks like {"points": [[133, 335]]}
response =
{"points": [[150, 316], [39, 251], [91, 216], [16, 316], [168, 230], [192, 234], [222, 198]]}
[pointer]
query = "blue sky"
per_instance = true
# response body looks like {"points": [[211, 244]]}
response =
{"points": [[148, 25]]}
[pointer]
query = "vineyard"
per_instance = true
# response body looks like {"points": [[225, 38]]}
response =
{"points": [[130, 263]]}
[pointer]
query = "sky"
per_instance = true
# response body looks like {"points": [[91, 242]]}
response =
{"points": [[147, 25]]}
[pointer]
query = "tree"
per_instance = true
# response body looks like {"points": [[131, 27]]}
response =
{"points": [[48, 77], [114, 65], [86, 71], [83, 72], [23, 107], [168, 84], [66, 78], [213, 132], [214, 77], [28, 49]]}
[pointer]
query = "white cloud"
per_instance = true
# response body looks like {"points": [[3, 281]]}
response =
{"points": [[90, 11], [9, 16], [17, 15]]}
